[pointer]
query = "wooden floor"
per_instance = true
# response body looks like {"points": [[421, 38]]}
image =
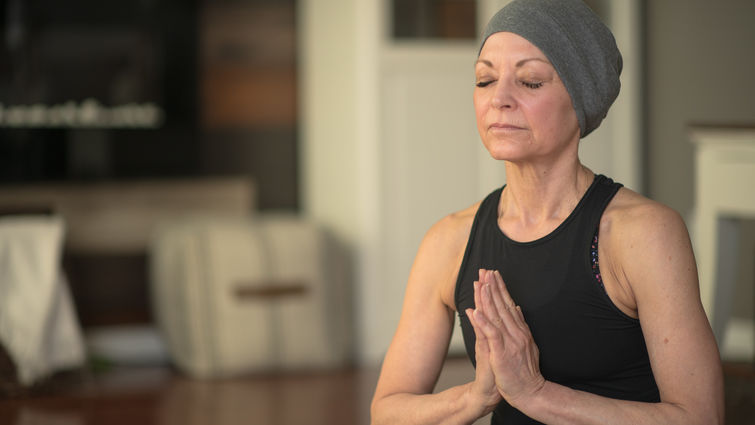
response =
{"points": [[157, 395]]}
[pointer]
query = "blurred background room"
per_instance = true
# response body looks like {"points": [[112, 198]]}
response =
{"points": [[209, 208]]}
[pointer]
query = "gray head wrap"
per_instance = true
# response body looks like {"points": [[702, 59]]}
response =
{"points": [[577, 43]]}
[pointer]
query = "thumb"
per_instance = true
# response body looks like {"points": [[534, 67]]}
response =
{"points": [[481, 341]]}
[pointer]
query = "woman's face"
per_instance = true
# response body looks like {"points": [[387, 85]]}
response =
{"points": [[523, 109]]}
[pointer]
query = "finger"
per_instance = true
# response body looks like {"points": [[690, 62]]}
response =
{"points": [[515, 312], [492, 334], [481, 347], [481, 341], [519, 318], [479, 335], [477, 294], [480, 290], [489, 310], [496, 295], [506, 317], [478, 287], [504, 290], [486, 307], [483, 325], [484, 377]]}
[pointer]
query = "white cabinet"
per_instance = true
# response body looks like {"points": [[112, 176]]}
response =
{"points": [[725, 195]]}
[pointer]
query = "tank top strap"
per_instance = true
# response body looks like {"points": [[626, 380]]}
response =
{"points": [[595, 201]]}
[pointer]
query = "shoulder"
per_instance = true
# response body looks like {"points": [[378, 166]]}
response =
{"points": [[451, 231], [631, 217], [442, 250], [645, 239]]}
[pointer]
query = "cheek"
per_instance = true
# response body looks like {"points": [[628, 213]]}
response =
{"points": [[479, 108], [567, 117], [477, 102], [554, 114]]}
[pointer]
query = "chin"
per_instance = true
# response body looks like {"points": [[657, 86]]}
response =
{"points": [[505, 150], [506, 158]]}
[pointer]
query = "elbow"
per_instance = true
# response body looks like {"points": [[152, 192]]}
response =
{"points": [[712, 414], [373, 414], [383, 409], [375, 410], [717, 415], [710, 418]]}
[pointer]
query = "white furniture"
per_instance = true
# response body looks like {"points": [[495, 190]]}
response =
{"points": [[725, 194], [240, 295], [114, 219]]}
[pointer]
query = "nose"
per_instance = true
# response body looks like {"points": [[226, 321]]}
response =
{"points": [[502, 95]]}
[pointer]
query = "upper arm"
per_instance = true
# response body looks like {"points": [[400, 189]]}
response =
{"points": [[416, 353], [657, 261]]}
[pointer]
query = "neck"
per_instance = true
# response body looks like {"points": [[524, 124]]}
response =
{"points": [[538, 197]]}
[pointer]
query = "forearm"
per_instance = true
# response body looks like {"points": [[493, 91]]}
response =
{"points": [[556, 404], [456, 405]]}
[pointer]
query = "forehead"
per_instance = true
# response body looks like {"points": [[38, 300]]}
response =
{"points": [[507, 45]]}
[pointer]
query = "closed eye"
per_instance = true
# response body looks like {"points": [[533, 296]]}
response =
{"points": [[483, 83], [532, 85]]}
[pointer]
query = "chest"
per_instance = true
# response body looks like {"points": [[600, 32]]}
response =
{"points": [[580, 333]]}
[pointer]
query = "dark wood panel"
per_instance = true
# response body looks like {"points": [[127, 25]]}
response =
{"points": [[248, 97]]}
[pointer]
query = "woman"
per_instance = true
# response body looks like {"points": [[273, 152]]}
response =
{"points": [[578, 298]]}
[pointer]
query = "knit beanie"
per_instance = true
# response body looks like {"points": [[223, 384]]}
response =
{"points": [[577, 43]]}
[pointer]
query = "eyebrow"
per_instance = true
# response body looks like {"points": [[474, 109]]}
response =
{"points": [[518, 64]]}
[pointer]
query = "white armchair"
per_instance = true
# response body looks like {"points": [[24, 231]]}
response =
{"points": [[237, 295]]}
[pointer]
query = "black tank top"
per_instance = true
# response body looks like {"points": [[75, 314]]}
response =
{"points": [[585, 341]]}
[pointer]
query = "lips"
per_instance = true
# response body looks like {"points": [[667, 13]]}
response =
{"points": [[504, 126]]}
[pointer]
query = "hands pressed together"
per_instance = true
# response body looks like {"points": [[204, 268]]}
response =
{"points": [[506, 355]]}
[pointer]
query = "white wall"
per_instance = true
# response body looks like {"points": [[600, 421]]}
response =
{"points": [[327, 109], [615, 148], [337, 78]]}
